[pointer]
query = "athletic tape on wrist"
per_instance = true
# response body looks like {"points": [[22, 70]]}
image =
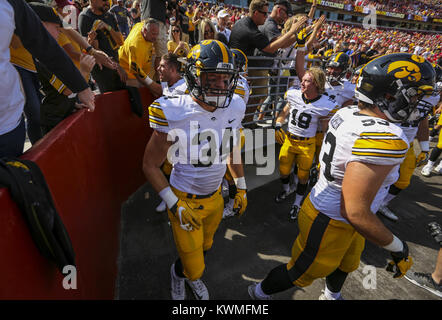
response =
{"points": [[425, 146], [148, 81], [395, 246], [240, 183], [168, 196]]}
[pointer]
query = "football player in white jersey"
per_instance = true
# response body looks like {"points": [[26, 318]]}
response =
{"points": [[243, 90], [241, 63], [413, 130], [169, 71], [200, 124], [437, 150], [172, 83], [337, 87], [359, 160], [305, 107]]}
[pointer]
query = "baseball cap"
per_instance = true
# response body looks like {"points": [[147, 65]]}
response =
{"points": [[46, 13], [223, 13], [285, 4]]}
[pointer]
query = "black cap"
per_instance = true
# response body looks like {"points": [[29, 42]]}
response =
{"points": [[46, 13], [285, 4]]}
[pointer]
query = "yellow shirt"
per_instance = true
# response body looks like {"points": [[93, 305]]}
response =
{"points": [[136, 54], [171, 46], [63, 40], [22, 58], [190, 16]]}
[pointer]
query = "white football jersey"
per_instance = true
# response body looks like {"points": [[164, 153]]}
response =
{"points": [[202, 141], [341, 93], [410, 128], [243, 89], [352, 136], [178, 88], [304, 115]]}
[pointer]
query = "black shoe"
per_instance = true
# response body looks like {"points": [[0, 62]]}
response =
{"points": [[283, 195], [294, 211], [424, 280]]}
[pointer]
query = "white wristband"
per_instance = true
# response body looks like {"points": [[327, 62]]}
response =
{"points": [[168, 196], [240, 183], [425, 146], [278, 125], [148, 81], [395, 246], [301, 49]]}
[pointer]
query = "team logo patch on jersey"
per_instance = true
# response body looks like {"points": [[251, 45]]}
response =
{"points": [[336, 121], [405, 69]]}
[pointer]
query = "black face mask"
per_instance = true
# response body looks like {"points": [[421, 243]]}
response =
{"points": [[402, 108]]}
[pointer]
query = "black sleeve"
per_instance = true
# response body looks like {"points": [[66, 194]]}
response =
{"points": [[84, 24], [28, 28], [112, 21], [259, 40]]}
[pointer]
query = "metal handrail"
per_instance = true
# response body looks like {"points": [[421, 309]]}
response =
{"points": [[276, 86]]}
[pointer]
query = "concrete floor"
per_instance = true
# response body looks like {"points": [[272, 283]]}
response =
{"points": [[245, 249]]}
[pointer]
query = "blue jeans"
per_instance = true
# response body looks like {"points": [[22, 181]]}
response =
{"points": [[32, 106], [12, 143]]}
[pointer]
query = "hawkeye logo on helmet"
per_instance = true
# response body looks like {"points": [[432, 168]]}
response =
{"points": [[405, 69], [195, 52]]}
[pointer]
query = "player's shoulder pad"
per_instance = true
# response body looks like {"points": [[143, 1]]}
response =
{"points": [[171, 108], [237, 104], [292, 93]]}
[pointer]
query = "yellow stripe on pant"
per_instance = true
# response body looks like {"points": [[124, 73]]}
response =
{"points": [[322, 246], [439, 123], [191, 245]]}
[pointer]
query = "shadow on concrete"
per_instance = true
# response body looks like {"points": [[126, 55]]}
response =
{"points": [[245, 249]]}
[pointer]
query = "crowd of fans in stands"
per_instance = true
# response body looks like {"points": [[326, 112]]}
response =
{"points": [[107, 26], [430, 8], [357, 39]]}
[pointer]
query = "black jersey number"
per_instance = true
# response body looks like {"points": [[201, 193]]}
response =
{"points": [[207, 153], [303, 120], [328, 157], [208, 139]]}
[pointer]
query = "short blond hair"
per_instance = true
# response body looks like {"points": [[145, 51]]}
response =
{"points": [[318, 77], [290, 21], [202, 27], [256, 5]]}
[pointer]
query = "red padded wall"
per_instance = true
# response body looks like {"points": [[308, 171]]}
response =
{"points": [[92, 162]]}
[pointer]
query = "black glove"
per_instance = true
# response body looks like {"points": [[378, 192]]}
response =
{"points": [[401, 263]]}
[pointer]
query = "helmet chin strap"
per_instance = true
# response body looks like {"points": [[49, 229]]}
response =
{"points": [[215, 101], [333, 79]]}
